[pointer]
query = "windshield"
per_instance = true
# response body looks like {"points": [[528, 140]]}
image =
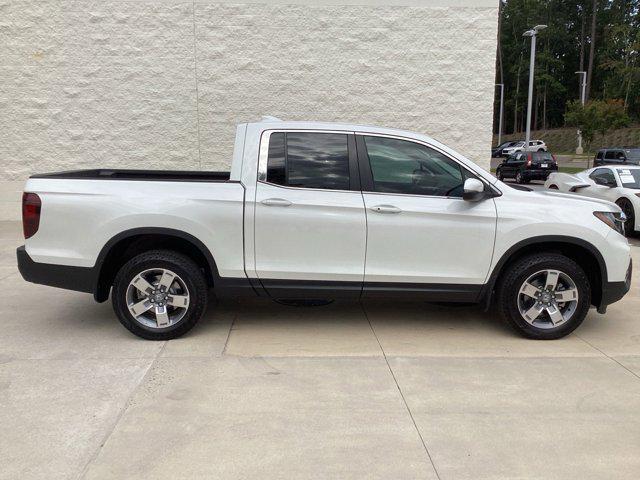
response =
{"points": [[630, 177], [504, 144], [633, 153]]}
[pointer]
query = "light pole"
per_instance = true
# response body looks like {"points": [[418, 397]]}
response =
{"points": [[531, 33], [501, 85], [583, 85]]}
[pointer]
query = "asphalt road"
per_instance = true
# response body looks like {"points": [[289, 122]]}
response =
{"points": [[345, 391]]}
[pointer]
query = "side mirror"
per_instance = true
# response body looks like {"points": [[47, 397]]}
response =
{"points": [[473, 190]]}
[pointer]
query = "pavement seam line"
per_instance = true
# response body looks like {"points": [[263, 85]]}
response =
{"points": [[105, 439], [226, 342], [610, 358], [393, 375]]}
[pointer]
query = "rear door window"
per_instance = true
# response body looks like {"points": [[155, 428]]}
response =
{"points": [[610, 155], [309, 160]]}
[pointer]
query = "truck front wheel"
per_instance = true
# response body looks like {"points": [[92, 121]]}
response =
{"points": [[544, 296], [159, 294]]}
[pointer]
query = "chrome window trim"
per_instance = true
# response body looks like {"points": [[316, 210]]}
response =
{"points": [[263, 156]]}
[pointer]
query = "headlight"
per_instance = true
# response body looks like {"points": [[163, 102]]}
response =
{"points": [[614, 219]]}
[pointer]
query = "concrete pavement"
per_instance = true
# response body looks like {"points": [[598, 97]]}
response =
{"points": [[346, 391]]}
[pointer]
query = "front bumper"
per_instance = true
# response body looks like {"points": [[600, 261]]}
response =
{"points": [[81, 279], [614, 291]]}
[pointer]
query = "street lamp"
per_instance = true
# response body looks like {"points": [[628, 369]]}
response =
{"points": [[583, 85], [531, 33], [501, 85]]}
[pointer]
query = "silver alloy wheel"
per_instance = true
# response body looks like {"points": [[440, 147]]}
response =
{"points": [[157, 298], [547, 299]]}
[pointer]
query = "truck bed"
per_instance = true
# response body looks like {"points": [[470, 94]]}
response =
{"points": [[143, 175]]}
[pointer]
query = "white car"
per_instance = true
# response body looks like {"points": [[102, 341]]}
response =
{"points": [[534, 146], [318, 211], [617, 184]]}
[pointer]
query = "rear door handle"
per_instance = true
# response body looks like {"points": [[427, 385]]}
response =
{"points": [[386, 209], [276, 202]]}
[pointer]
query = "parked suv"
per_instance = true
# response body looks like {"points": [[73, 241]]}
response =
{"points": [[526, 166], [617, 156], [497, 151], [534, 146]]}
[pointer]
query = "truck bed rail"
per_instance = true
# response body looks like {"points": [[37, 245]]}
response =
{"points": [[145, 175]]}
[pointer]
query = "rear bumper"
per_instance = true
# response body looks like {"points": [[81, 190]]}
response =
{"points": [[614, 291], [537, 174], [81, 279]]}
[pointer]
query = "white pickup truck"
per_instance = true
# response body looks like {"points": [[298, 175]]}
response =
{"points": [[318, 211]]}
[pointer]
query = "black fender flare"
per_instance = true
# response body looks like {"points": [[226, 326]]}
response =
{"points": [[99, 288], [487, 291]]}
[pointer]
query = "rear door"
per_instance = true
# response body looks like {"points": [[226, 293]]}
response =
{"points": [[422, 236], [542, 160], [310, 226]]}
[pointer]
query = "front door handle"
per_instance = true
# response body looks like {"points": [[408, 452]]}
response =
{"points": [[276, 202], [386, 209]]}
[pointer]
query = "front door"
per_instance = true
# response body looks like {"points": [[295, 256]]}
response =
{"points": [[310, 225], [422, 235]]}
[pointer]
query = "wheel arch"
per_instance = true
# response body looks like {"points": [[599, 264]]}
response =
{"points": [[626, 199], [582, 252], [125, 245]]}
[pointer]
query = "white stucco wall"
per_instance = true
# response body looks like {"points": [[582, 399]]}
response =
{"points": [[161, 84]]}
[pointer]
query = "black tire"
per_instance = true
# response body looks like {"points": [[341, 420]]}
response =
{"points": [[189, 273], [512, 280], [500, 175], [541, 149], [627, 207], [553, 187], [519, 178]]}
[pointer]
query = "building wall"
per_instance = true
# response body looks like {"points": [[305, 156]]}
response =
{"points": [[161, 84]]}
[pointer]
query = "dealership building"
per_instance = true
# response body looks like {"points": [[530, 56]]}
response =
{"points": [[162, 83]]}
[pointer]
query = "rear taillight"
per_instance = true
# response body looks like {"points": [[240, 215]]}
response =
{"points": [[31, 206], [554, 158], [529, 157]]}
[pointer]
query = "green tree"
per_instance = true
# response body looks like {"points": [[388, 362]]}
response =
{"points": [[596, 116], [611, 115], [564, 48]]}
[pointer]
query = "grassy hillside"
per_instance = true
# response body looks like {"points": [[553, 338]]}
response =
{"points": [[564, 140]]}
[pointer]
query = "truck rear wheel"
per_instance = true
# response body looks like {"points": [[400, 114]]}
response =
{"points": [[159, 295], [544, 296]]}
